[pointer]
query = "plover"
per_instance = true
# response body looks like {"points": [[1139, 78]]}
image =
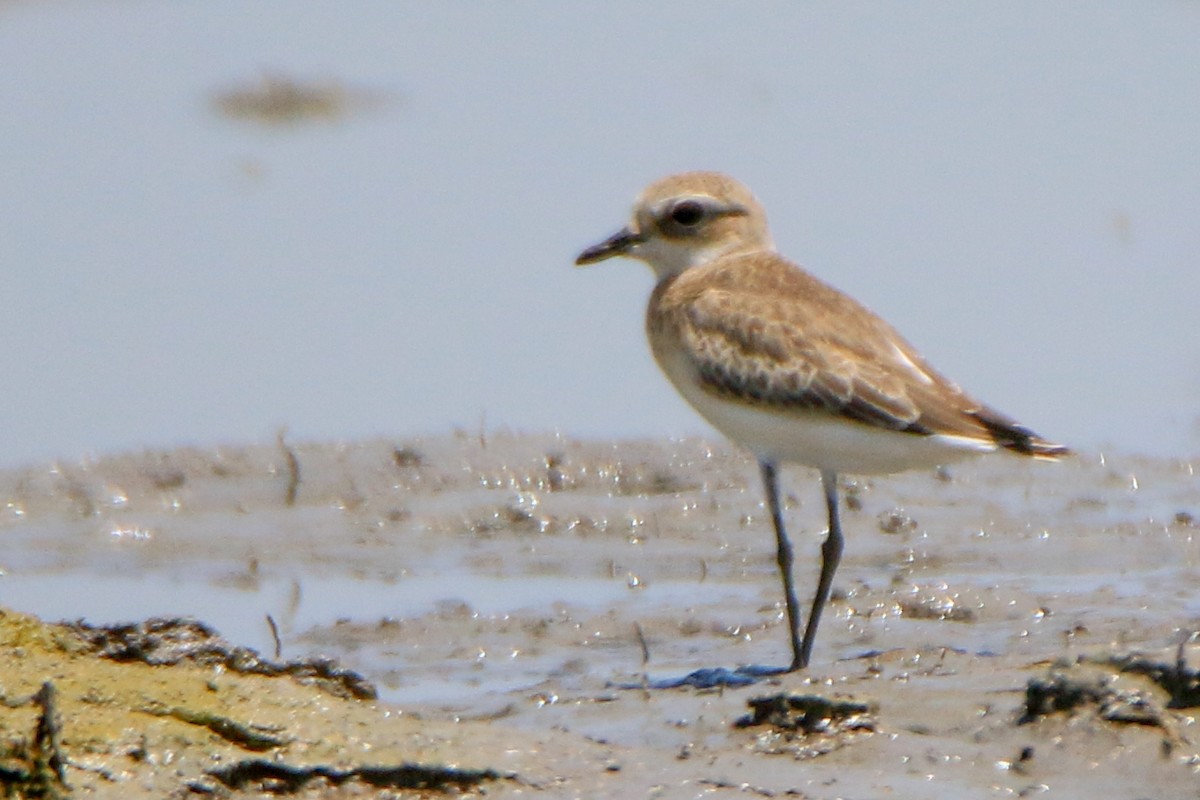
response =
{"points": [[789, 367]]}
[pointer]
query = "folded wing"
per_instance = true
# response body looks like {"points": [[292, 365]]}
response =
{"points": [[819, 351]]}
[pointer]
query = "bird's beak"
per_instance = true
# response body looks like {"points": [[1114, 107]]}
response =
{"points": [[619, 244]]}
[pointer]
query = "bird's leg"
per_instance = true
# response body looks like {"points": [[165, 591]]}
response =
{"points": [[783, 557], [831, 554]]}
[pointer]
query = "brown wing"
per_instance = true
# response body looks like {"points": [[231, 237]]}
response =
{"points": [[759, 329]]}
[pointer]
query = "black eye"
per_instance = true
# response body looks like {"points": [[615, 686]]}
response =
{"points": [[687, 213]]}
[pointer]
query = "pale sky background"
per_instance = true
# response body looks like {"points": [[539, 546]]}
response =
{"points": [[1015, 186]]}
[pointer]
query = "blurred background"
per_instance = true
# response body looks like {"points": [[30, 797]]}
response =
{"points": [[222, 218]]}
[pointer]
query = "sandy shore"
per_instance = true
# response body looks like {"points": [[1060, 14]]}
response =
{"points": [[1000, 629]]}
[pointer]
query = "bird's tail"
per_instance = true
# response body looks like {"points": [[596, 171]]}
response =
{"points": [[1013, 436]]}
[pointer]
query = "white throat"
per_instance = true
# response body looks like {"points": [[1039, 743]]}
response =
{"points": [[669, 258]]}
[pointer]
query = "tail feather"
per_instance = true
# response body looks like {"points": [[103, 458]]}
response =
{"points": [[1011, 435]]}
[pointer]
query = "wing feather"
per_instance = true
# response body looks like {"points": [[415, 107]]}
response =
{"points": [[817, 350]]}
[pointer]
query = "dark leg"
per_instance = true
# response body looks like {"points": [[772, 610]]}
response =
{"points": [[831, 554], [783, 557]]}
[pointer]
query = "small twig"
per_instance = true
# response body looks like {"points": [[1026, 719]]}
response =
{"points": [[293, 466], [249, 737], [641, 637], [47, 752], [275, 635]]}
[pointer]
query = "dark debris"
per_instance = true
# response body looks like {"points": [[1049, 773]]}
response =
{"points": [[408, 457], [1061, 692], [1079, 689], [167, 641], [809, 713], [806, 726], [248, 737], [896, 521], [1181, 683], [274, 777], [939, 608]]}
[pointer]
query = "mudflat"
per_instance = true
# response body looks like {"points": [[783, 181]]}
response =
{"points": [[482, 613]]}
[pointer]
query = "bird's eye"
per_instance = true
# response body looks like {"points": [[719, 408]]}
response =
{"points": [[687, 213]]}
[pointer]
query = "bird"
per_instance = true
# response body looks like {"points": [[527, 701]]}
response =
{"points": [[788, 366]]}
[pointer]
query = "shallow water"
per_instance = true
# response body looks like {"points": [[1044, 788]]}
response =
{"points": [[468, 538]]}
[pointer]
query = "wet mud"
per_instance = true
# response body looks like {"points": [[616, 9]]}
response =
{"points": [[458, 615]]}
